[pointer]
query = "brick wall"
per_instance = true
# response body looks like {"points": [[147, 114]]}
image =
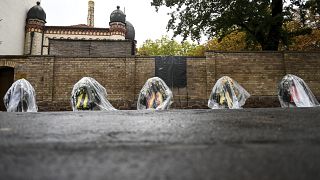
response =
{"points": [[144, 69], [87, 48], [196, 82], [259, 73], [122, 77], [306, 66], [37, 70]]}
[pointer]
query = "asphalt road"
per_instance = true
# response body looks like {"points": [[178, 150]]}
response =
{"points": [[176, 144]]}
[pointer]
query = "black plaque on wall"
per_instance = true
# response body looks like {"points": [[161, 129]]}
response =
{"points": [[172, 69]]}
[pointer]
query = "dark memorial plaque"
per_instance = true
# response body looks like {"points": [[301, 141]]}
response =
{"points": [[172, 69]]}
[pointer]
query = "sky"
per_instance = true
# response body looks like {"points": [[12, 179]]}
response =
{"points": [[148, 23]]}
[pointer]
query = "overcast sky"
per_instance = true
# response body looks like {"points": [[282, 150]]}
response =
{"points": [[148, 23]]}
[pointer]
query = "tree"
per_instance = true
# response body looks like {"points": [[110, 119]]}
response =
{"points": [[235, 41], [308, 42], [168, 47], [261, 20]]}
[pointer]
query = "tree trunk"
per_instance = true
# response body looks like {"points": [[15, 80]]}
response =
{"points": [[274, 36]]}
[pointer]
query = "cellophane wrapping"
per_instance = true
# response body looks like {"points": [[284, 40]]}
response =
{"points": [[227, 93], [20, 97], [294, 92], [88, 94], [155, 94]]}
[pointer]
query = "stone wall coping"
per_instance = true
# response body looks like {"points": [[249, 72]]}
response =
{"points": [[227, 52], [76, 27], [63, 56], [94, 40], [22, 56]]}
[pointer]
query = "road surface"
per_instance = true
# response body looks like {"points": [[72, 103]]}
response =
{"points": [[246, 144]]}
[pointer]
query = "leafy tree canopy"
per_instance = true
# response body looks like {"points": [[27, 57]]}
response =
{"points": [[168, 47], [237, 41], [305, 42], [261, 20]]}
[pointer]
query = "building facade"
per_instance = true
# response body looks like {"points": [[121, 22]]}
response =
{"points": [[12, 25], [79, 40]]}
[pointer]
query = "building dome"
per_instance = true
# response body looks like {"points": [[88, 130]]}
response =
{"points": [[36, 12], [130, 31], [117, 16]]}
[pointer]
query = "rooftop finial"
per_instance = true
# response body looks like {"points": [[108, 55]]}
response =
{"points": [[38, 3]]}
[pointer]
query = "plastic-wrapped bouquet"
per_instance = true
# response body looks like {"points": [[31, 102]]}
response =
{"points": [[88, 94], [294, 92], [155, 94], [227, 93], [20, 97]]}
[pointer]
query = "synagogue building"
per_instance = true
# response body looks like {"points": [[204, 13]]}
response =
{"points": [[79, 40]]}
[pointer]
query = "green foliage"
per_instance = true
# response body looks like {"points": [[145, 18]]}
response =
{"points": [[261, 20], [168, 47], [235, 41], [307, 42]]}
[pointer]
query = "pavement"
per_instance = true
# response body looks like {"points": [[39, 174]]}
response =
{"points": [[226, 144]]}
